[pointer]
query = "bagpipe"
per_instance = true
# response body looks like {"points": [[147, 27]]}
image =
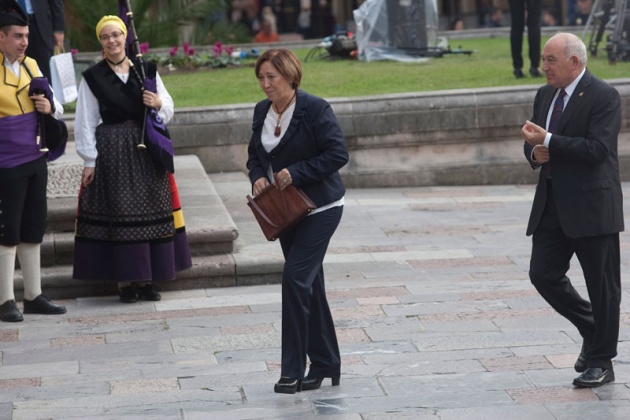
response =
{"points": [[155, 137], [52, 134]]}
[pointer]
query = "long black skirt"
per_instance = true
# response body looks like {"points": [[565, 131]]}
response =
{"points": [[125, 226]]}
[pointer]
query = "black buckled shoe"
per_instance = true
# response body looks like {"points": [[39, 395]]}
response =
{"points": [[128, 294], [42, 305], [534, 72], [518, 73], [594, 377], [147, 292], [9, 312]]}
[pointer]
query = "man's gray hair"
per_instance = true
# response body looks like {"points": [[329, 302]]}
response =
{"points": [[575, 46]]}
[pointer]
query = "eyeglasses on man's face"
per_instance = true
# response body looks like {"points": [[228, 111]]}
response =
{"points": [[114, 35]]}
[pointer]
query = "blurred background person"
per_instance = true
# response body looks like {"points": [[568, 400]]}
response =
{"points": [[327, 18], [267, 14], [266, 34], [582, 12], [304, 19], [47, 26], [245, 12], [549, 19], [457, 24], [495, 17], [519, 11]]}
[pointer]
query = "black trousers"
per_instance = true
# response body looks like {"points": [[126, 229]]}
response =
{"points": [[597, 320], [23, 206], [517, 14], [307, 324], [38, 49]]}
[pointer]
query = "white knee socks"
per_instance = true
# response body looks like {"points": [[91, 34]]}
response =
{"points": [[30, 260], [7, 270]]}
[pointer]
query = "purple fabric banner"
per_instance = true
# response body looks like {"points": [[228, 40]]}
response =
{"points": [[157, 137]]}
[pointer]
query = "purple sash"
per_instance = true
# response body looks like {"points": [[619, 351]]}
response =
{"points": [[17, 140]]}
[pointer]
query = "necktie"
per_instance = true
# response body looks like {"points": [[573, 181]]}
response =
{"points": [[556, 113]]}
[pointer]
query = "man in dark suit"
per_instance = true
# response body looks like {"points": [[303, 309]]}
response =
{"points": [[578, 206], [525, 12], [47, 26]]}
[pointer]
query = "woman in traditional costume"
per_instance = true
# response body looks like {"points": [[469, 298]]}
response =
{"points": [[129, 225]]}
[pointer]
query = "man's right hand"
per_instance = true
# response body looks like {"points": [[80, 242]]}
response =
{"points": [[533, 133], [42, 104]]}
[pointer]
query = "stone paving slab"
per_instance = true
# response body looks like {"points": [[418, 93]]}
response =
{"points": [[435, 315]]}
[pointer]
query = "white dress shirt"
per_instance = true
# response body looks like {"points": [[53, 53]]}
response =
{"points": [[569, 91]]}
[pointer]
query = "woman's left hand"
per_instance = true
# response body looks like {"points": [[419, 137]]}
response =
{"points": [[284, 178], [151, 99], [88, 176]]}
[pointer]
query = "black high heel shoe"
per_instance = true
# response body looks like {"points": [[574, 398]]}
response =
{"points": [[287, 386], [314, 382]]}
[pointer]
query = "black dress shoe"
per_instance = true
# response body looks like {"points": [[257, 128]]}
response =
{"points": [[580, 363], [594, 377], [287, 386], [534, 72], [518, 73], [314, 382], [128, 294], [42, 305], [9, 312], [147, 292]]}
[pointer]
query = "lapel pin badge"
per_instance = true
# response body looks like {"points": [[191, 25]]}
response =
{"points": [[581, 94]]}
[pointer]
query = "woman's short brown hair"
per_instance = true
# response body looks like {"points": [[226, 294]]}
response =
{"points": [[285, 61]]}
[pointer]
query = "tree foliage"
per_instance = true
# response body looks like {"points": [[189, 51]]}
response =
{"points": [[161, 23]]}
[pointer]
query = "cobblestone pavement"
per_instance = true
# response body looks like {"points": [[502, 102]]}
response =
{"points": [[434, 311]]}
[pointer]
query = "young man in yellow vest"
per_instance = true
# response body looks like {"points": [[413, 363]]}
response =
{"points": [[23, 169]]}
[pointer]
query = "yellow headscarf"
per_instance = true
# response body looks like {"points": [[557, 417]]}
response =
{"points": [[110, 20]]}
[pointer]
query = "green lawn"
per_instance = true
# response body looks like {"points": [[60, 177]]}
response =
{"points": [[489, 65]]}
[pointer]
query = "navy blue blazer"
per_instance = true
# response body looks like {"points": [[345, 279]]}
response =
{"points": [[584, 160], [313, 149]]}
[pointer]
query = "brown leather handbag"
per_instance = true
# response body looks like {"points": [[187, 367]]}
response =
{"points": [[278, 210]]}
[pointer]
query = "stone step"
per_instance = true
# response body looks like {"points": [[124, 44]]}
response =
{"points": [[212, 234], [209, 226], [207, 271], [58, 247]]}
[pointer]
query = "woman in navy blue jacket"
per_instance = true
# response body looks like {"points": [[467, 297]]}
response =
{"points": [[297, 136]]}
